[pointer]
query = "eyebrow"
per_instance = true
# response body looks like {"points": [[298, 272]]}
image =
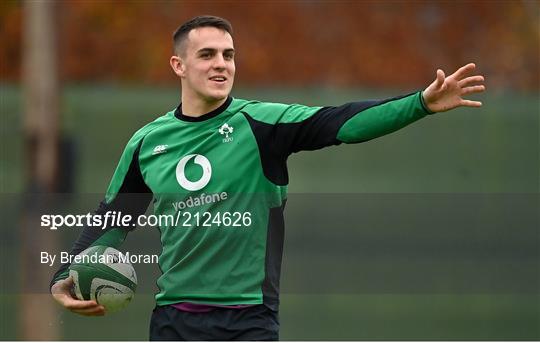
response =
{"points": [[212, 50]]}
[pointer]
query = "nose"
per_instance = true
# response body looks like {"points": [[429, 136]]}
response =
{"points": [[219, 62]]}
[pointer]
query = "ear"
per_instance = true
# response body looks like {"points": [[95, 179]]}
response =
{"points": [[177, 65]]}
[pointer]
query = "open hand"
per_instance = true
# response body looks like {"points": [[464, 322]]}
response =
{"points": [[445, 93], [61, 292]]}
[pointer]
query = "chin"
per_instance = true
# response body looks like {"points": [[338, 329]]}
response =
{"points": [[217, 96]]}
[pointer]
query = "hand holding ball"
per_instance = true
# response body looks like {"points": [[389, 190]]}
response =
{"points": [[105, 275]]}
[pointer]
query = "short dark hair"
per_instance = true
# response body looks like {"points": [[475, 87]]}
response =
{"points": [[182, 32]]}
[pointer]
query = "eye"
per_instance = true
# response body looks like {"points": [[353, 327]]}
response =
{"points": [[228, 56]]}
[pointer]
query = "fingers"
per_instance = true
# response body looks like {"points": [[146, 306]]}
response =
{"points": [[463, 71], [85, 308], [468, 81], [470, 103], [61, 293], [66, 300], [439, 82], [95, 311], [73, 304], [82, 307], [473, 89]]}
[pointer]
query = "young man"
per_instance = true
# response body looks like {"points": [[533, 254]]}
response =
{"points": [[221, 163]]}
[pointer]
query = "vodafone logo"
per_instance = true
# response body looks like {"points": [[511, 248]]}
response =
{"points": [[181, 175]]}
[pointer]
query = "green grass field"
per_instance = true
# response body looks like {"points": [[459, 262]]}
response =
{"points": [[368, 272]]}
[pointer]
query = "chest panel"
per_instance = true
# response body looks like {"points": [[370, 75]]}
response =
{"points": [[211, 157]]}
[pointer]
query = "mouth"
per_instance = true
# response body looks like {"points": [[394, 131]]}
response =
{"points": [[220, 79]]}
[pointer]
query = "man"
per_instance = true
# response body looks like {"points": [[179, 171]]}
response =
{"points": [[221, 163]]}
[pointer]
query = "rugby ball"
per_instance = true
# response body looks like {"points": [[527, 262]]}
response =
{"points": [[105, 275]]}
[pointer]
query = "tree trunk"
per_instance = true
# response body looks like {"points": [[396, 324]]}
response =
{"points": [[37, 312]]}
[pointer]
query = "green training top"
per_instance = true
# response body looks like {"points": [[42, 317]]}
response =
{"points": [[222, 180]]}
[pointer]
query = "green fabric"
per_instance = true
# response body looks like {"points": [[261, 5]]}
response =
{"points": [[112, 238], [214, 167], [424, 105], [382, 119], [274, 113], [127, 155], [218, 264]]}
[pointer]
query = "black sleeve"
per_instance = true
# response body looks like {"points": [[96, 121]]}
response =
{"points": [[132, 199], [278, 140]]}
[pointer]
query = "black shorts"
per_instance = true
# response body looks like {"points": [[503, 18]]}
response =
{"points": [[256, 323]]}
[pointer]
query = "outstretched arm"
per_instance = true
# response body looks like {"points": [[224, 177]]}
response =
{"points": [[446, 93], [292, 128]]}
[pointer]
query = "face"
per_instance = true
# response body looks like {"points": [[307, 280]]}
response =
{"points": [[206, 65]]}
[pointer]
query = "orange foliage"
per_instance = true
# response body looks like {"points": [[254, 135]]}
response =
{"points": [[368, 43]]}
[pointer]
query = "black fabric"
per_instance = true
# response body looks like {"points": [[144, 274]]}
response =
{"points": [[132, 199], [178, 112], [274, 253], [255, 323], [273, 162], [277, 141]]}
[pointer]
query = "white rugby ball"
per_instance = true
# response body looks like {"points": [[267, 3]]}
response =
{"points": [[105, 275]]}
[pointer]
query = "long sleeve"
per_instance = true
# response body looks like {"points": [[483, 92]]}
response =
{"points": [[127, 193], [282, 129], [382, 118]]}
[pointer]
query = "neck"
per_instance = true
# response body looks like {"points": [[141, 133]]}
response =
{"points": [[199, 107]]}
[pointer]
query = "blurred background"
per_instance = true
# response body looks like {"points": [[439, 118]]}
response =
{"points": [[429, 233]]}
